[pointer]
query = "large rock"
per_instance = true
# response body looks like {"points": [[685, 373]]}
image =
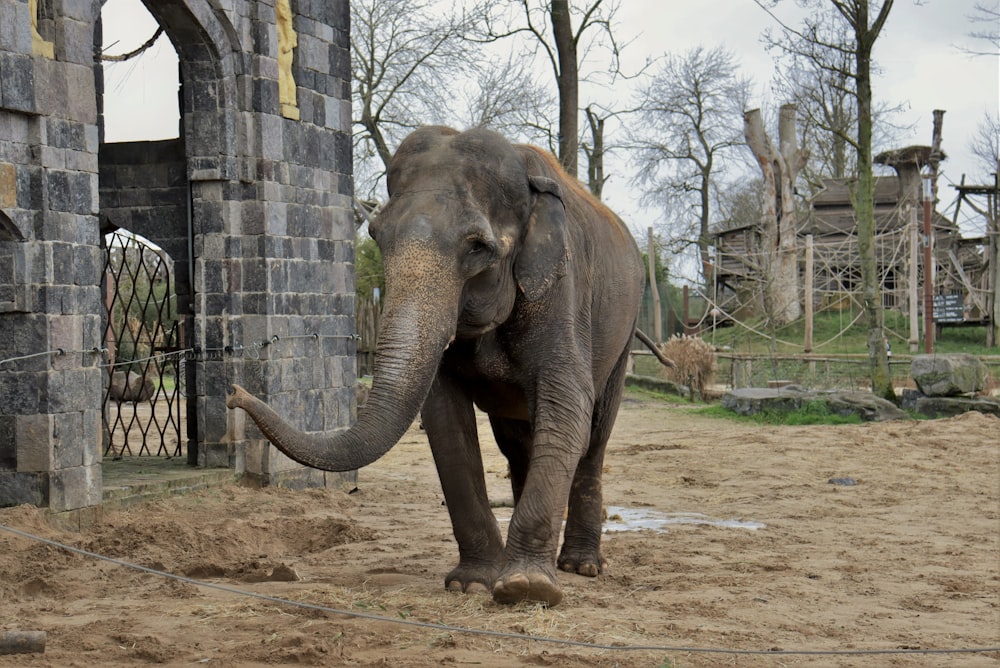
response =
{"points": [[948, 375], [657, 385], [937, 407], [131, 387], [751, 400]]}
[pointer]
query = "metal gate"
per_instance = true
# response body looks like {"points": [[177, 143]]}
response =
{"points": [[144, 336]]}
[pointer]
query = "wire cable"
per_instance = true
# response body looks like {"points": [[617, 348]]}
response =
{"points": [[483, 632]]}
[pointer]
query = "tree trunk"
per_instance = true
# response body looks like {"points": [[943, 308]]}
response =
{"points": [[595, 155], [569, 88], [864, 206], [779, 167]]}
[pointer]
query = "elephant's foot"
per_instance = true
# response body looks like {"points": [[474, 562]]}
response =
{"points": [[525, 582], [471, 579], [587, 561]]}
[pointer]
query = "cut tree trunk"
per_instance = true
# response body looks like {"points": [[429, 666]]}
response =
{"points": [[780, 167]]}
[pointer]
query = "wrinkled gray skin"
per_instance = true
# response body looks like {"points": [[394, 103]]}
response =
{"points": [[509, 288]]}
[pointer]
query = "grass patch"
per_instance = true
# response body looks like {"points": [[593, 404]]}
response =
{"points": [[833, 333], [815, 412]]}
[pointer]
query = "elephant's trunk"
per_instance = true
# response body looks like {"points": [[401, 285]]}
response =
{"points": [[412, 338]]}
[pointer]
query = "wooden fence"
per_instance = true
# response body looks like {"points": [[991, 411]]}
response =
{"points": [[367, 316]]}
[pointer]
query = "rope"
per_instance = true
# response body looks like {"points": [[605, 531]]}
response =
{"points": [[253, 349], [132, 54], [492, 634], [58, 352]]}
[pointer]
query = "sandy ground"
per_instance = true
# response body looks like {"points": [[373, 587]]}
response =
{"points": [[731, 537]]}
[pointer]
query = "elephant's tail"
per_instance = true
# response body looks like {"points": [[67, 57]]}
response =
{"points": [[653, 348]]}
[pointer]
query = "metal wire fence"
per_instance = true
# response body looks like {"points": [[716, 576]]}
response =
{"points": [[821, 372]]}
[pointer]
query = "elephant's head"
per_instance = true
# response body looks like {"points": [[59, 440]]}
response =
{"points": [[472, 224]]}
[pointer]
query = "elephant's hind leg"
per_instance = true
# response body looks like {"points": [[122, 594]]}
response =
{"points": [[581, 549]]}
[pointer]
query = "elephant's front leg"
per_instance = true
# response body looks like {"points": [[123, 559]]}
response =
{"points": [[450, 423], [560, 437]]}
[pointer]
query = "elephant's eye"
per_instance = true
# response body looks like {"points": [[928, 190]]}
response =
{"points": [[479, 246]]}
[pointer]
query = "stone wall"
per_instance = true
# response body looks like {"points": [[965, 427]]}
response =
{"points": [[144, 189], [266, 182], [49, 403]]}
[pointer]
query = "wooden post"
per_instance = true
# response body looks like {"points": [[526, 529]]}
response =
{"points": [[22, 642], [912, 291], [993, 261], [655, 291], [808, 294], [930, 197], [928, 269], [687, 317]]}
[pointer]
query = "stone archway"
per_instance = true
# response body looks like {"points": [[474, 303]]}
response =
{"points": [[263, 202]]}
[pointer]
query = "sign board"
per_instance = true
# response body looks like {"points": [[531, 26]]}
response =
{"points": [[949, 308]]}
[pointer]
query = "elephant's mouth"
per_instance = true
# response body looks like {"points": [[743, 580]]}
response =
{"points": [[466, 331]]}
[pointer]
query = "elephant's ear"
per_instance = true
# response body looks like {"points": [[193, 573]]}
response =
{"points": [[542, 258]]}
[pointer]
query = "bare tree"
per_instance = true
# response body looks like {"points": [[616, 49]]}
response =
{"points": [[985, 144], [692, 114], [863, 31], [406, 56], [596, 148], [564, 35], [819, 80], [986, 18], [508, 97]]}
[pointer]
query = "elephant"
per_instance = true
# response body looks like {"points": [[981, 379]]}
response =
{"points": [[511, 289]]}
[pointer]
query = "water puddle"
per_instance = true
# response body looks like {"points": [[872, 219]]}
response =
{"points": [[638, 519]]}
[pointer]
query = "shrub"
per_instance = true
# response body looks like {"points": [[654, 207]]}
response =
{"points": [[695, 360]]}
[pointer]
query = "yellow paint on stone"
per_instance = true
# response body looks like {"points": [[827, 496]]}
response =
{"points": [[39, 46], [8, 186], [287, 41]]}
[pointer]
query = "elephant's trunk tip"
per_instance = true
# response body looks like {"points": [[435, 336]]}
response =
{"points": [[238, 398]]}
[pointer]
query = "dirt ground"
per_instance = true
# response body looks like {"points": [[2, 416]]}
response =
{"points": [[727, 536]]}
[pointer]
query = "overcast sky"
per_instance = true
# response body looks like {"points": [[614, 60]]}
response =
{"points": [[919, 53]]}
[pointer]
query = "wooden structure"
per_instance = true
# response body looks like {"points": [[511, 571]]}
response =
{"points": [[982, 299], [961, 263]]}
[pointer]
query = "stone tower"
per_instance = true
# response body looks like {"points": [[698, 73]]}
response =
{"points": [[252, 200]]}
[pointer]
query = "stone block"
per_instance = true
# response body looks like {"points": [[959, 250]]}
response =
{"points": [[214, 455], [81, 11], [73, 192], [67, 134], [34, 445], [15, 30], [21, 393], [81, 94], [72, 390], [76, 487], [948, 375], [67, 446], [82, 161], [17, 488], [76, 38], [91, 446], [8, 443], [17, 82], [52, 98], [29, 191]]}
